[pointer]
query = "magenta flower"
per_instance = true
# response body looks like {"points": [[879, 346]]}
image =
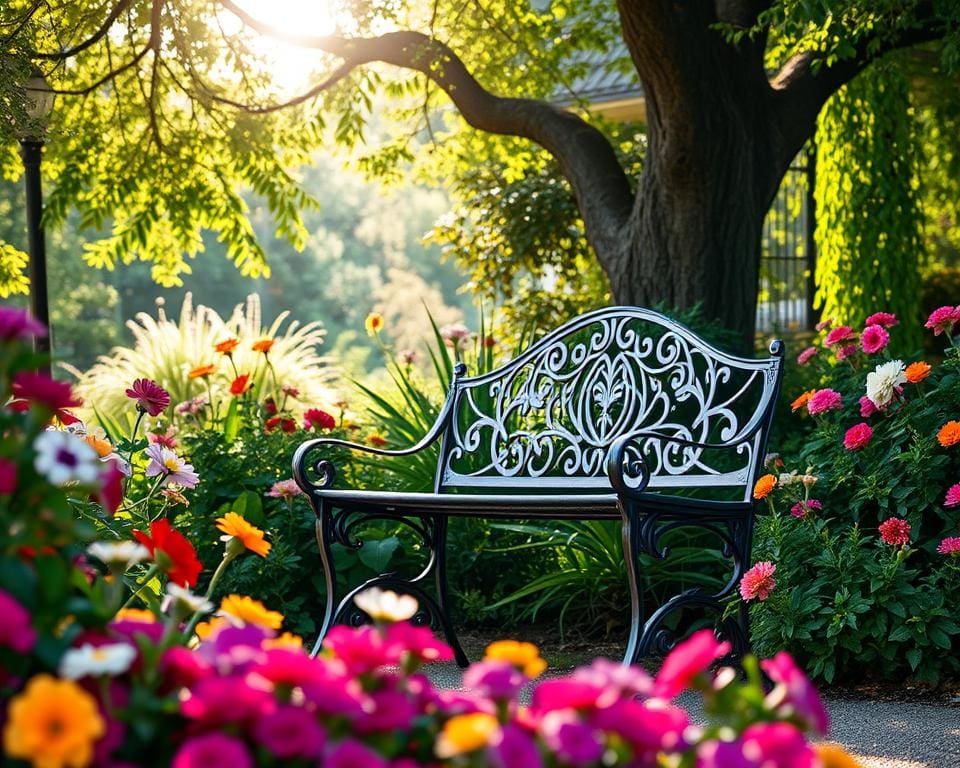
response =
{"points": [[824, 325], [418, 642], [361, 650], [885, 319], [350, 753], [18, 324], [314, 418], [689, 659], [573, 741], [212, 750], [16, 631], [40, 389], [219, 700], [848, 350], [943, 319], [515, 748], [839, 334], [858, 436], [867, 407], [494, 679], [151, 397], [779, 744], [722, 754], [804, 357], [386, 711], [290, 733], [798, 697], [824, 400], [950, 546], [285, 489], [758, 582], [874, 338], [648, 728], [566, 693], [614, 680], [804, 508], [895, 531], [165, 462], [953, 496], [8, 477]]}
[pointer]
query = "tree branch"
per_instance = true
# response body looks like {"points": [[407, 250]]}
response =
{"points": [[93, 39], [584, 155]]}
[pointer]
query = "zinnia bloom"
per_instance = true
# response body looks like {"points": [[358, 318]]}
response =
{"points": [[953, 496], [886, 319], [227, 347], [213, 750], [289, 733], [874, 338], [943, 319], [884, 382], [466, 733], [917, 372], [895, 531], [18, 324], [690, 658], [848, 350], [264, 345], [524, 656], [172, 552], [857, 437], [824, 400], [949, 434], [835, 756], [804, 508], [804, 357], [373, 323], [801, 698], [53, 723], [839, 334], [151, 397], [950, 546], [802, 400], [454, 334], [285, 489], [250, 611], [824, 325], [315, 418], [758, 582], [165, 462], [764, 486], [201, 371], [240, 384], [41, 389], [235, 526], [867, 408]]}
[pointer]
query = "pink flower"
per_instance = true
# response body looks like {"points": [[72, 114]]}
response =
{"points": [[943, 319], [314, 418], [650, 729], [874, 338], [290, 733], [111, 485], [165, 462], [758, 582], [950, 546], [799, 698], [385, 711], [573, 741], [804, 357], [839, 334], [167, 439], [418, 642], [41, 389], [886, 319], [615, 680], [212, 750], [494, 679], [285, 489], [151, 397], [824, 324], [953, 496], [350, 753], [895, 531], [16, 631], [858, 436], [565, 693], [847, 351], [216, 701], [514, 749], [361, 650], [824, 400], [689, 659], [8, 477], [804, 508], [779, 744], [867, 407]]}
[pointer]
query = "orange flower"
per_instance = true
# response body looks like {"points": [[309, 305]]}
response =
{"points": [[235, 526], [917, 372], [524, 656], [227, 347], [835, 756], [241, 384], [102, 447], [801, 401], [250, 611], [764, 486], [949, 434], [201, 371], [264, 345]]}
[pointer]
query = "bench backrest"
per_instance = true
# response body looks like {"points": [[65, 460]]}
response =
{"points": [[546, 419]]}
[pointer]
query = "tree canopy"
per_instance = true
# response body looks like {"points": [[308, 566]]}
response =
{"points": [[167, 109]]}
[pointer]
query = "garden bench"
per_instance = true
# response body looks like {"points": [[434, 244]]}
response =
{"points": [[619, 414]]}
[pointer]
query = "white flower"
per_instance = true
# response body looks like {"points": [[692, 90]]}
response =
{"points": [[788, 478], [881, 383], [112, 659], [63, 458], [809, 480], [384, 605], [187, 601], [119, 555]]}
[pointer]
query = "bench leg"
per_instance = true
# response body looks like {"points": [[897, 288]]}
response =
{"points": [[324, 528], [630, 533], [440, 579]]}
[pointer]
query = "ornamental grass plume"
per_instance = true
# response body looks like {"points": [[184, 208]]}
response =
{"points": [[758, 582]]}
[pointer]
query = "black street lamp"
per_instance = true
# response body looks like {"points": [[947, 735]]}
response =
{"points": [[38, 108]]}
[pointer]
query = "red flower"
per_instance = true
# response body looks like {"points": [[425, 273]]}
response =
{"points": [[858, 436], [288, 425], [151, 397], [172, 552], [271, 424], [689, 659], [270, 406], [241, 384], [895, 531], [314, 418], [8, 477], [41, 389], [111, 487]]}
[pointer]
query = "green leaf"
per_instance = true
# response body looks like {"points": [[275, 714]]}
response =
{"points": [[376, 554], [914, 655]]}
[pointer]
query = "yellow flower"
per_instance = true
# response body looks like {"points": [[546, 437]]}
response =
{"points": [[207, 628], [764, 486], [465, 733], [250, 611], [286, 641], [53, 724], [834, 756], [136, 614], [249, 535], [373, 323], [524, 656]]}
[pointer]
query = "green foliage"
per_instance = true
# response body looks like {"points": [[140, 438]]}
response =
{"points": [[869, 221], [848, 604]]}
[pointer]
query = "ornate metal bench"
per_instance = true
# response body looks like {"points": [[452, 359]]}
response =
{"points": [[618, 414]]}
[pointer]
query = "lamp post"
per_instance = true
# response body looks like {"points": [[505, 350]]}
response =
{"points": [[38, 108]]}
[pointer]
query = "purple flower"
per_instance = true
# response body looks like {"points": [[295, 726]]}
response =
{"points": [[16, 631], [419, 642], [17, 324], [351, 754], [151, 397], [574, 742], [616, 680], [722, 754], [494, 679], [213, 750], [794, 694], [165, 462], [388, 711], [290, 732], [515, 749]]}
